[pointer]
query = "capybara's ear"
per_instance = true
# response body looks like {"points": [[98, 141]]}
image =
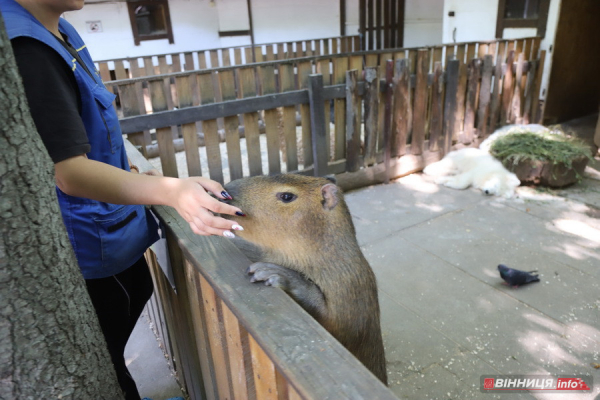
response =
{"points": [[330, 199], [330, 178]]}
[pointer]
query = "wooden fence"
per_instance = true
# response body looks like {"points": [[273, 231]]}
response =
{"points": [[133, 67], [227, 338], [393, 112]]}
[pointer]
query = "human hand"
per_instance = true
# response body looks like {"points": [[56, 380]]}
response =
{"points": [[194, 204], [152, 172]]}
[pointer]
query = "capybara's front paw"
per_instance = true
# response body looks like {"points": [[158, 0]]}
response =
{"points": [[270, 274]]}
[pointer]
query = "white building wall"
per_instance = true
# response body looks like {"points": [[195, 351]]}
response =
{"points": [[423, 22], [278, 21], [476, 20], [195, 26]]}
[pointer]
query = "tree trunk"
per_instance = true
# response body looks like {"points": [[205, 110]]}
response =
{"points": [[51, 345]]}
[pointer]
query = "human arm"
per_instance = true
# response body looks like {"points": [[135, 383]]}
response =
{"points": [[81, 177], [55, 105]]}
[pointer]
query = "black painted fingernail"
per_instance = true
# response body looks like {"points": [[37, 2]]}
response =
{"points": [[241, 214], [226, 195]]}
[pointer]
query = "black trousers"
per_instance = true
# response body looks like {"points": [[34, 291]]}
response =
{"points": [[119, 301]]}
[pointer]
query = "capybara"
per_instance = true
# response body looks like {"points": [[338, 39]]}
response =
{"points": [[299, 234]]}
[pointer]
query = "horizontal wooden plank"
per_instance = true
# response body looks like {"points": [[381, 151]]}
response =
{"points": [[212, 111], [275, 63], [226, 109]]}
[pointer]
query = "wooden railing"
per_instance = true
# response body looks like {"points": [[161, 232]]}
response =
{"points": [[156, 64], [230, 339], [417, 104]]}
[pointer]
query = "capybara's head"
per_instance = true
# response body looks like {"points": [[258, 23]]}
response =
{"points": [[289, 211]]}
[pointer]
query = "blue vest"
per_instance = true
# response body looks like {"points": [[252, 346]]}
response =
{"points": [[107, 238]]}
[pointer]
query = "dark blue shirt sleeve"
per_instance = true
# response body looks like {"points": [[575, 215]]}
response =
{"points": [[53, 98]]}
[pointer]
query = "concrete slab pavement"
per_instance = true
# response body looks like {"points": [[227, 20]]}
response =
{"points": [[447, 317]]}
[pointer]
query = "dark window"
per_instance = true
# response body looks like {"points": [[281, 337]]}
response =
{"points": [[522, 14], [150, 20]]}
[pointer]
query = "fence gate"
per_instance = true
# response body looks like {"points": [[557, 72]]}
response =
{"points": [[381, 24]]}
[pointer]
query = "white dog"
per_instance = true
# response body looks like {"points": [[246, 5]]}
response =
{"points": [[474, 167]]}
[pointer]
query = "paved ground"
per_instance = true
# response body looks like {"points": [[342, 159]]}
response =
{"points": [[447, 318]]}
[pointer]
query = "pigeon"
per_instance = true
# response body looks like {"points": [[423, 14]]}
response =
{"points": [[515, 278]]}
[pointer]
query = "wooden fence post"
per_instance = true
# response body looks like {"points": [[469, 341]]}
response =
{"points": [[387, 119], [420, 105], [450, 105], [474, 71], [402, 122], [371, 113], [317, 124], [485, 95], [436, 126], [352, 122]]}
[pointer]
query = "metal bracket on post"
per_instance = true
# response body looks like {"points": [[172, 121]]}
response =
{"points": [[317, 124]]}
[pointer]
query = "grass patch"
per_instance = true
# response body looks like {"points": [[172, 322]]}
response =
{"points": [[553, 147]]}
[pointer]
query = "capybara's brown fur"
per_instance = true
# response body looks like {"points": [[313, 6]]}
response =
{"points": [[303, 224]]}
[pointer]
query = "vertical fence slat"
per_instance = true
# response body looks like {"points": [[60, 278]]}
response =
{"points": [[304, 70], [470, 52], [286, 76], [198, 316], [185, 87], [402, 122], [232, 133], [210, 129], [507, 90], [515, 106], [214, 58], [471, 101], [271, 122], [120, 72], [536, 113], [215, 338], [323, 68], [485, 95], [175, 62], [264, 372], [235, 351], [450, 106], [340, 66], [237, 56], [437, 107], [188, 62], [529, 91], [317, 119], [251, 130], [420, 103], [164, 136], [496, 95], [149, 69], [352, 122], [130, 106], [104, 71], [371, 105], [387, 119], [460, 102]]}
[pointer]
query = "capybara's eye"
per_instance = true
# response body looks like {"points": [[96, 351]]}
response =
{"points": [[286, 197]]}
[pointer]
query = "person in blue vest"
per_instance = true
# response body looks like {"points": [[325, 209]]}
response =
{"points": [[101, 200]]}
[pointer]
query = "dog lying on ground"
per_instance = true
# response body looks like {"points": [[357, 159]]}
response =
{"points": [[474, 167]]}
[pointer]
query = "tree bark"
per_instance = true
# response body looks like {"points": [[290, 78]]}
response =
{"points": [[51, 345]]}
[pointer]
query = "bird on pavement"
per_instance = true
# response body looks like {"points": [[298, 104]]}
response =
{"points": [[515, 278]]}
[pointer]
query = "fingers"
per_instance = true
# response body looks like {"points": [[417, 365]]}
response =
{"points": [[214, 187], [196, 206], [205, 223], [152, 172]]}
